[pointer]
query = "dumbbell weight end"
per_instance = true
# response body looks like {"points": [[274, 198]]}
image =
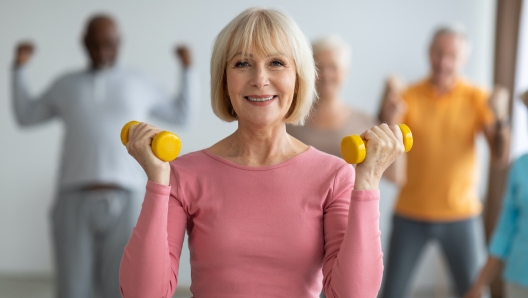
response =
{"points": [[354, 150], [165, 145]]}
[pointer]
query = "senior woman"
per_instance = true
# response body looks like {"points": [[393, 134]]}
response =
{"points": [[267, 216], [332, 118], [508, 249]]}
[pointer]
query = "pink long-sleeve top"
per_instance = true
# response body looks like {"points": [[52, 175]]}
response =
{"points": [[285, 230]]}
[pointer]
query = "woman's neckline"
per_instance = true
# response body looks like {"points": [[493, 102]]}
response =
{"points": [[261, 168]]}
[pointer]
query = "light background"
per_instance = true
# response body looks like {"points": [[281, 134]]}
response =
{"points": [[386, 37]]}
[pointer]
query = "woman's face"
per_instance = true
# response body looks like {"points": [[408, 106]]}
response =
{"points": [[331, 73], [261, 87]]}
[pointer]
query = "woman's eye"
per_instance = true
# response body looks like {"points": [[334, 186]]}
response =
{"points": [[277, 63], [242, 64]]}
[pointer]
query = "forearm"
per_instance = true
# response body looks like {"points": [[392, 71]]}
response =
{"points": [[358, 268], [146, 266], [182, 108], [27, 110], [20, 95], [382, 117], [500, 141], [490, 272], [189, 96]]}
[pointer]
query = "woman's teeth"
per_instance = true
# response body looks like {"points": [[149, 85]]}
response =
{"points": [[260, 99]]}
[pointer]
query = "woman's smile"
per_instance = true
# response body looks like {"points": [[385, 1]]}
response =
{"points": [[260, 100]]}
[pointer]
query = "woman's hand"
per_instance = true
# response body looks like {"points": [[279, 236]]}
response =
{"points": [[384, 144], [139, 141]]}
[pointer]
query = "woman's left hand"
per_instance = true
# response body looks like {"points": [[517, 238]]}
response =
{"points": [[384, 144]]}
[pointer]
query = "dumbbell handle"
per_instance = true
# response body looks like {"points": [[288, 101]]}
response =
{"points": [[165, 145], [354, 151]]}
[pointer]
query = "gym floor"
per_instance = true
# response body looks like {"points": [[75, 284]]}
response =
{"points": [[43, 288]]}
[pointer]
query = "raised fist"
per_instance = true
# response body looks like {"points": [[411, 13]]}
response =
{"points": [[184, 54], [24, 51], [499, 102], [393, 107]]}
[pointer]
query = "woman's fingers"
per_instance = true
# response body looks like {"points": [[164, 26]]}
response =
{"points": [[369, 135], [384, 145], [142, 133], [397, 133], [391, 135], [139, 140], [387, 139], [142, 130]]}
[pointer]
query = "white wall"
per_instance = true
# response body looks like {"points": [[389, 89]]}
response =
{"points": [[519, 144], [386, 36]]}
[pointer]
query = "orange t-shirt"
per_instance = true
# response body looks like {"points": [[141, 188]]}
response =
{"points": [[441, 167]]}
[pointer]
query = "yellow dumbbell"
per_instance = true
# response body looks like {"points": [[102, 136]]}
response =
{"points": [[354, 151], [165, 145]]}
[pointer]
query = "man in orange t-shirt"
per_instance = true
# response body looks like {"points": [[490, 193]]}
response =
{"points": [[439, 201]]}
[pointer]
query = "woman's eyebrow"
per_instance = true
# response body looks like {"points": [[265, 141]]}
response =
{"points": [[251, 55]]}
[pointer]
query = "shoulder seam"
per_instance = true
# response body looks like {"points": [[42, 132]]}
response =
{"points": [[335, 179], [179, 196]]}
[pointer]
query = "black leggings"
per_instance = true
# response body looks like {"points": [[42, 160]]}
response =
{"points": [[457, 239]]}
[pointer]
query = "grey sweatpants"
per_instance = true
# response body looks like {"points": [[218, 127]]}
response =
{"points": [[90, 231], [458, 240]]}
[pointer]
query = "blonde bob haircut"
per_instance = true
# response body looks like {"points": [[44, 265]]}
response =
{"points": [[270, 31]]}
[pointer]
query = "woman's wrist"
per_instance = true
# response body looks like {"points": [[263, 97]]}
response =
{"points": [[366, 181], [160, 176]]}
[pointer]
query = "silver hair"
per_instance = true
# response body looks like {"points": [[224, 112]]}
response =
{"points": [[455, 29], [334, 43]]}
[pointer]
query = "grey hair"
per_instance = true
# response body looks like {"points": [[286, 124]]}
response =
{"points": [[334, 43], [454, 29]]}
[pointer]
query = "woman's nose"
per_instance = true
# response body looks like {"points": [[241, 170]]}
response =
{"points": [[260, 77]]}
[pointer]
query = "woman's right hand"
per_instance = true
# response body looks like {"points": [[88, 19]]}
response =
{"points": [[139, 146], [384, 145]]}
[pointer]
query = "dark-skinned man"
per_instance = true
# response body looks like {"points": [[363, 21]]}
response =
{"points": [[98, 199], [440, 201]]}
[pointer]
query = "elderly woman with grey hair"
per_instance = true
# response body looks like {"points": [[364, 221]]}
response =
{"points": [[331, 118], [508, 246], [267, 216]]}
